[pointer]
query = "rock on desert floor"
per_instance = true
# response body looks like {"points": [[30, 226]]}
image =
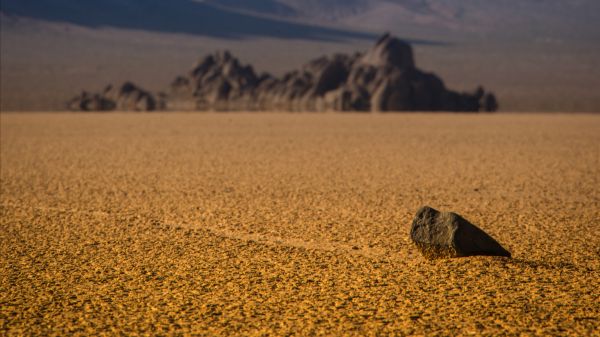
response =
{"points": [[278, 224]]}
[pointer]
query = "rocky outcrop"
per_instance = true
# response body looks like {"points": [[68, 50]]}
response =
{"points": [[126, 97], [383, 79], [86, 101], [217, 81], [445, 234], [389, 52]]}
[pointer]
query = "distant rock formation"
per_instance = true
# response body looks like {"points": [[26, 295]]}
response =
{"points": [[445, 234], [128, 97], [384, 78]]}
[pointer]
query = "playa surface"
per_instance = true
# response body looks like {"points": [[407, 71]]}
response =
{"points": [[258, 224]]}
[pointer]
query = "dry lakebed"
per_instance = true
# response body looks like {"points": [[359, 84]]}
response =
{"points": [[295, 224]]}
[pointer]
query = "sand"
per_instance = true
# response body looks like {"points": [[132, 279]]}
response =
{"points": [[281, 224]]}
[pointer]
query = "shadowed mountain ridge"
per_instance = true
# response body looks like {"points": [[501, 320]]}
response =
{"points": [[557, 18], [175, 16]]}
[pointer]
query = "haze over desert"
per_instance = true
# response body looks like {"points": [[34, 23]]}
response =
{"points": [[295, 224]]}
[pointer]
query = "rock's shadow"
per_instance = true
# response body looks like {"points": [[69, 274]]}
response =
{"points": [[173, 16]]}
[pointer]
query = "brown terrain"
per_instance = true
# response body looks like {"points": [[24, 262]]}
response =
{"points": [[295, 224]]}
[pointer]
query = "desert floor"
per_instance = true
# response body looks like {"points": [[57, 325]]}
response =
{"points": [[258, 224]]}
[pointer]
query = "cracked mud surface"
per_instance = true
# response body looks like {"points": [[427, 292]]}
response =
{"points": [[268, 224]]}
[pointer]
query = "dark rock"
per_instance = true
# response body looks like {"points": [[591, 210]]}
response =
{"points": [[128, 97], [490, 103], [180, 81], [446, 234], [330, 76], [393, 94], [90, 102], [347, 98], [427, 93], [390, 51]]}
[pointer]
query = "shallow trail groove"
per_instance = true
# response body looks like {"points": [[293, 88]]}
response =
{"points": [[268, 224]]}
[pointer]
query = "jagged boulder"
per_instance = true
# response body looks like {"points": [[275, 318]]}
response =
{"points": [[446, 234]]}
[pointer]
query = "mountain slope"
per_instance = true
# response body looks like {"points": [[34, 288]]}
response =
{"points": [[174, 16], [570, 19]]}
